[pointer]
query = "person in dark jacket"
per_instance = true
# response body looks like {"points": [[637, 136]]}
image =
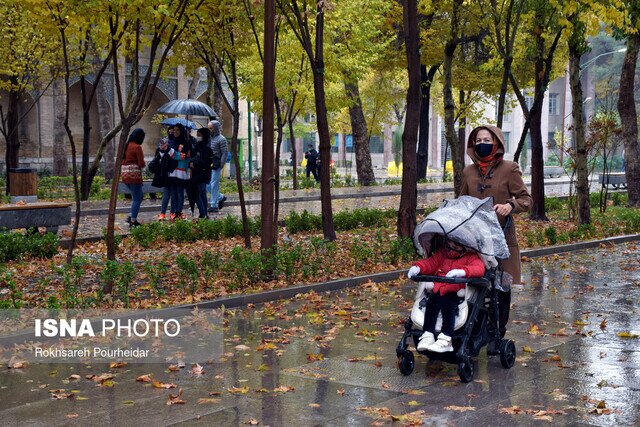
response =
{"points": [[160, 177], [201, 165], [312, 157]]}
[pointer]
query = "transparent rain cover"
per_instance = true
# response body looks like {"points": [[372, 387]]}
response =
{"points": [[466, 220]]}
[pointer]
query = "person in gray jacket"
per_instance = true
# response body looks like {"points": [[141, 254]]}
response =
{"points": [[218, 144]]}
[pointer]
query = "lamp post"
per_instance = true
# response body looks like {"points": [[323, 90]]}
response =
{"points": [[588, 99], [595, 58]]}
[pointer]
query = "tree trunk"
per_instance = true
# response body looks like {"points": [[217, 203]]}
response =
{"points": [[218, 96], [127, 124], [194, 84], [426, 79], [449, 118], [582, 185], [12, 153], [276, 173], [328, 230], [523, 138], [502, 98], [85, 185], [409, 191], [364, 168], [60, 162], [294, 154], [537, 164], [236, 161], [268, 210], [629, 119], [106, 124], [462, 132]]}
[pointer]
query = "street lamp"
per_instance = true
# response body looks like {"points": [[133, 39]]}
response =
{"points": [[588, 99], [594, 59]]}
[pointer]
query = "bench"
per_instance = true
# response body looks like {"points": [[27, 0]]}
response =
{"points": [[33, 215], [615, 180], [550, 171], [147, 188]]}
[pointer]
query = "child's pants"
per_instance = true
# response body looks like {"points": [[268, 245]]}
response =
{"points": [[448, 305]]}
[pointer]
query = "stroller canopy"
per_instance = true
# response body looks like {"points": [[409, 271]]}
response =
{"points": [[466, 220]]}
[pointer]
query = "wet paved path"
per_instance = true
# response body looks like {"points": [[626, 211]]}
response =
{"points": [[94, 213], [336, 350]]}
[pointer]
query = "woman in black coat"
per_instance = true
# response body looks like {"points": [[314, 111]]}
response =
{"points": [[201, 165]]}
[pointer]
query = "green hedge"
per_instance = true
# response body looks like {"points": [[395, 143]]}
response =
{"points": [[20, 246]]}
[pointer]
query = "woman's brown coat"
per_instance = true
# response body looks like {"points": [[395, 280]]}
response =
{"points": [[503, 181]]}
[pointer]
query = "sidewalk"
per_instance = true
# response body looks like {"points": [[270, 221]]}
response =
{"points": [[380, 197], [332, 363]]}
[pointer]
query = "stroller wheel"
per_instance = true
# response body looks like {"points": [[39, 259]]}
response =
{"points": [[507, 353], [465, 370], [406, 363]]}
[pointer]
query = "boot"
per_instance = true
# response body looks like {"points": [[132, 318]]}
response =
{"points": [[443, 344], [425, 341]]}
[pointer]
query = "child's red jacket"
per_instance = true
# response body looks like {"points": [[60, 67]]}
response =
{"points": [[439, 265]]}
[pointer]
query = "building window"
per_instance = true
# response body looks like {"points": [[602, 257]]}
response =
{"points": [[528, 99], [506, 114], [376, 144], [444, 148], [507, 139], [286, 146], [551, 141], [553, 104], [336, 143], [348, 143]]}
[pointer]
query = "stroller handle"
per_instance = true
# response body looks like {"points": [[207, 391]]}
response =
{"points": [[477, 281]]}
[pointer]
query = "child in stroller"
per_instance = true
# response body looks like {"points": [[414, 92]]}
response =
{"points": [[464, 224], [452, 260]]}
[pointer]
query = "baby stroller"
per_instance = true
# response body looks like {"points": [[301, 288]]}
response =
{"points": [[472, 223]]}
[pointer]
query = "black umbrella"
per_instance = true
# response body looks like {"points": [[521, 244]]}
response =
{"points": [[188, 107]]}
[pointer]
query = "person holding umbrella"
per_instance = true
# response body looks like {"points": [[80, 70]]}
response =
{"points": [[179, 178]]}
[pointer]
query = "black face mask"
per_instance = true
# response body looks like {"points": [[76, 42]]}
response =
{"points": [[483, 150]]}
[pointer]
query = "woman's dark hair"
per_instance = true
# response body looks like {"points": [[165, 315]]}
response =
{"points": [[183, 133], [206, 134], [136, 136], [184, 139]]}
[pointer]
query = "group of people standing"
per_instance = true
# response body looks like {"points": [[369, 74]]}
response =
{"points": [[181, 164]]}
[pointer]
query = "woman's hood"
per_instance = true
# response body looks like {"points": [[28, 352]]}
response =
{"points": [[497, 133]]}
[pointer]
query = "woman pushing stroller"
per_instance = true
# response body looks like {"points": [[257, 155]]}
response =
{"points": [[452, 260]]}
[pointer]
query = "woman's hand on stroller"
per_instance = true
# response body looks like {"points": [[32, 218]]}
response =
{"points": [[456, 272], [413, 272]]}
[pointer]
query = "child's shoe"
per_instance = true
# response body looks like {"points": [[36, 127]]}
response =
{"points": [[162, 217], [443, 344], [426, 340]]}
